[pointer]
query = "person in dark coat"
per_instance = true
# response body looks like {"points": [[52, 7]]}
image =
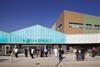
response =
{"points": [[42, 53], [77, 54], [26, 53], [61, 52], [30, 52], [82, 54]]}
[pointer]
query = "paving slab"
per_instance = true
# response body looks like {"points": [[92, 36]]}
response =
{"points": [[51, 61]]}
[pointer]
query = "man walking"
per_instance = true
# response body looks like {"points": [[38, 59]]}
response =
{"points": [[32, 53], [26, 52], [16, 52], [61, 53]]}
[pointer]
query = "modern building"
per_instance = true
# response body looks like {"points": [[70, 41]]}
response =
{"points": [[34, 36], [80, 29], [77, 23], [70, 30]]}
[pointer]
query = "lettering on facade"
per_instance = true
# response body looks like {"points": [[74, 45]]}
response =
{"points": [[37, 40]]}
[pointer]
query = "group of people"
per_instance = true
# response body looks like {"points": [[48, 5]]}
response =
{"points": [[44, 52], [59, 53], [13, 52], [37, 52], [80, 54]]}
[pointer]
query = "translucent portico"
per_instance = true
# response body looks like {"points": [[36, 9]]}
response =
{"points": [[32, 35]]}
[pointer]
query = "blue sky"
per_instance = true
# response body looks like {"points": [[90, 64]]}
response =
{"points": [[17, 14]]}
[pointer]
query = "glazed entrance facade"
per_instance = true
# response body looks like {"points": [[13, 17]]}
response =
{"points": [[35, 36]]}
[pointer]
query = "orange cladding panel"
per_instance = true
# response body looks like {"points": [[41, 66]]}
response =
{"points": [[72, 17], [60, 21]]}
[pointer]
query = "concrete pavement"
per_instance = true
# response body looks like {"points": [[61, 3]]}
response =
{"points": [[51, 61]]}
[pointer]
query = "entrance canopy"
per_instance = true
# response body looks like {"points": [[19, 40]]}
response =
{"points": [[32, 35]]}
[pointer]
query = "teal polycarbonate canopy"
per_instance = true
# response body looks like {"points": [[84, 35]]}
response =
{"points": [[3, 37], [33, 34]]}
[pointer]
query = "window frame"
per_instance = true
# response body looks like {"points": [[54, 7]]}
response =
{"points": [[88, 26], [75, 25], [97, 27]]}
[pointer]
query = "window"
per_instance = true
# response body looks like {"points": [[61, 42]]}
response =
{"points": [[88, 26], [76, 25], [59, 27], [97, 27]]}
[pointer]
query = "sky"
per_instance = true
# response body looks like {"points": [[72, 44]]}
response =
{"points": [[18, 14]]}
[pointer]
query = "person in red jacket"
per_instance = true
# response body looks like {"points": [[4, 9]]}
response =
{"points": [[94, 52]]}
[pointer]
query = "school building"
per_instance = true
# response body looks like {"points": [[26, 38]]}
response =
{"points": [[78, 27], [71, 29]]}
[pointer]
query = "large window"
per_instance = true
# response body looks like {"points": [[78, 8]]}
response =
{"points": [[88, 26], [76, 25], [97, 27]]}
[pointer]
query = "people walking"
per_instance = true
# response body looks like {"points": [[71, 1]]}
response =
{"points": [[26, 52], [36, 52], [61, 53], [82, 54], [50, 51], [9, 51], [77, 54], [46, 52], [16, 52], [55, 52], [32, 53], [94, 52], [90, 52], [42, 53]]}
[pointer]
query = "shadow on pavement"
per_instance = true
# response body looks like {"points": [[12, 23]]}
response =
{"points": [[1, 60], [18, 60], [58, 64]]}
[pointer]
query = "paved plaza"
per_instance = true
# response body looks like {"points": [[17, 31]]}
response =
{"points": [[51, 61]]}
